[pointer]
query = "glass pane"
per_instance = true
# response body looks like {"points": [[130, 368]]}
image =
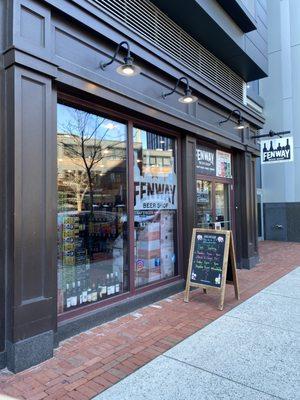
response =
{"points": [[92, 212], [253, 87], [222, 205], [204, 217], [155, 207]]}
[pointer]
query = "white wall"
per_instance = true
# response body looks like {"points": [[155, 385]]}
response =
{"points": [[281, 91]]}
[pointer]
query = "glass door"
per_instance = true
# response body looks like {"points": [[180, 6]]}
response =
{"points": [[222, 206], [213, 205], [204, 208]]}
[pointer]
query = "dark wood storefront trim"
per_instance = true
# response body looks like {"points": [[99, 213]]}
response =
{"points": [[90, 106], [101, 23], [33, 72], [152, 112]]}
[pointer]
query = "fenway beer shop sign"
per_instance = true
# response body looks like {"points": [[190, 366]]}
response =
{"points": [[277, 150]]}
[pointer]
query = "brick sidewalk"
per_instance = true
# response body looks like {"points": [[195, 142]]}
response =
{"points": [[88, 363]]}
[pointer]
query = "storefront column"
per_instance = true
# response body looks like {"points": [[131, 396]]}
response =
{"points": [[30, 182], [246, 211], [188, 195], [2, 225]]}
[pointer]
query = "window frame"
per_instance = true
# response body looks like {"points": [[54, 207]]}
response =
{"points": [[130, 122], [166, 136]]}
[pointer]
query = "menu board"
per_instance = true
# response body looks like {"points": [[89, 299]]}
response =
{"points": [[208, 259], [212, 262]]}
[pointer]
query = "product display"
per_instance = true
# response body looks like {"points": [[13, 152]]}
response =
{"points": [[92, 222], [87, 291], [92, 216], [155, 207]]}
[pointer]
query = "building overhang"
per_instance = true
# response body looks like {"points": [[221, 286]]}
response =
{"points": [[239, 13], [196, 20]]}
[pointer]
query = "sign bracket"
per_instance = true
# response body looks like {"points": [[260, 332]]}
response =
{"points": [[271, 134]]}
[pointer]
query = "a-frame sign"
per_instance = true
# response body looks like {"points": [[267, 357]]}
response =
{"points": [[212, 263]]}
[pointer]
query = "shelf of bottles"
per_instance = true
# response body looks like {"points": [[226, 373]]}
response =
{"points": [[90, 258], [155, 207], [92, 216]]}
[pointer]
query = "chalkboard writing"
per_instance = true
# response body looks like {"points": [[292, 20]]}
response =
{"points": [[208, 258], [212, 263]]}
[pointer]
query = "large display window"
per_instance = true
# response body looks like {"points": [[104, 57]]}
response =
{"points": [[92, 208], [155, 207], [108, 245]]}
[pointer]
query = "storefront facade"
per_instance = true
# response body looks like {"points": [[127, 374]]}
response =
{"points": [[102, 177]]}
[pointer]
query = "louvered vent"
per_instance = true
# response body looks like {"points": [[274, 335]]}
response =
{"points": [[152, 24]]}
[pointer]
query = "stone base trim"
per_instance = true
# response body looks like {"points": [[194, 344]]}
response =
{"points": [[248, 263], [29, 352], [2, 359]]}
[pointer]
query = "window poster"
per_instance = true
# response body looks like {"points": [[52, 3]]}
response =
{"points": [[223, 164], [205, 161], [277, 150], [155, 191], [203, 192], [155, 207]]}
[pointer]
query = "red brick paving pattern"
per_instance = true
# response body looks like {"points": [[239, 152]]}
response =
{"points": [[89, 363]]}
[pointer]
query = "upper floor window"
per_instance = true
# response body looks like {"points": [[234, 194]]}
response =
{"points": [[253, 87]]}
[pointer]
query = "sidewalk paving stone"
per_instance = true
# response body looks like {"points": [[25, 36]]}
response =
{"points": [[89, 354], [252, 352], [288, 286], [259, 356], [269, 309], [198, 384]]}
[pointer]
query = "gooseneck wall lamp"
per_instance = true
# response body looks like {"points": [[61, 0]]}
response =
{"points": [[188, 98], [241, 124], [127, 68]]}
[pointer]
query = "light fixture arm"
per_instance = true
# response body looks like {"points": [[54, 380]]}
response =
{"points": [[183, 78], [230, 115], [128, 57]]}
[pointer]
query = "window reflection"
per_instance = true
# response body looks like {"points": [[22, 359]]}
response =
{"points": [[155, 207], [204, 204], [213, 206], [222, 205], [92, 214]]}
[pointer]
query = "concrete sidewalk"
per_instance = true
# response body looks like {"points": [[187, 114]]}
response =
{"points": [[252, 352], [91, 362]]}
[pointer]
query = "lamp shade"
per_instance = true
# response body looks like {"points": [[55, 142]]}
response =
{"points": [[128, 68], [241, 125], [188, 98]]}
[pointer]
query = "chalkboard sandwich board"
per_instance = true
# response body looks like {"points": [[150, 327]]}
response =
{"points": [[212, 262]]}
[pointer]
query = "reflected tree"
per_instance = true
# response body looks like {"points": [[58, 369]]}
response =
{"points": [[86, 141]]}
